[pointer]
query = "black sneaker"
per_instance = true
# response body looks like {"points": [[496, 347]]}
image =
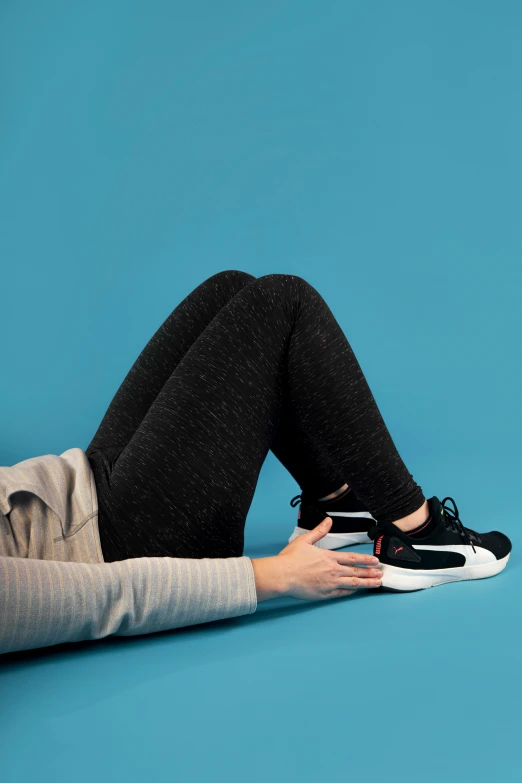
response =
{"points": [[449, 552], [350, 520]]}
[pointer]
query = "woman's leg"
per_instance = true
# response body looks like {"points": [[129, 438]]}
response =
{"points": [[273, 356], [153, 367], [158, 360]]}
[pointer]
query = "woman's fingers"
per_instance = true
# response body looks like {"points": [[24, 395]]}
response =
{"points": [[347, 558], [351, 582], [362, 573]]}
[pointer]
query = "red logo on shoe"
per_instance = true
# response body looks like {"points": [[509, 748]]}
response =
{"points": [[378, 544], [397, 549]]}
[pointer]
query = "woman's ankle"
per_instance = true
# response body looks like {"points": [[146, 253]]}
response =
{"points": [[412, 521], [337, 493]]}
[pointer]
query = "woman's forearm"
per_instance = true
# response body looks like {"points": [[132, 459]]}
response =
{"points": [[50, 602]]}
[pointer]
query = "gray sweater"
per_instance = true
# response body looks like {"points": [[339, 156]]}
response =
{"points": [[55, 586]]}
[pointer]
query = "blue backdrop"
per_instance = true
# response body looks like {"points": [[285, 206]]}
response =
{"points": [[374, 149]]}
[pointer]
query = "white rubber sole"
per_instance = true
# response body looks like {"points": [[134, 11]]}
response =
{"points": [[403, 579], [333, 540]]}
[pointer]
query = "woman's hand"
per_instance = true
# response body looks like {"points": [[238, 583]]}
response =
{"points": [[305, 571]]}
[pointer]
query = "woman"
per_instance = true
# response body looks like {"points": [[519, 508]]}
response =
{"points": [[242, 366]]}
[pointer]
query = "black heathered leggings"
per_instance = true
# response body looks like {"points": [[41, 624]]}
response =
{"points": [[241, 366]]}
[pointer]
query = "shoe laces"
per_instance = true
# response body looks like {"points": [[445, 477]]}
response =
{"points": [[452, 521], [296, 500]]}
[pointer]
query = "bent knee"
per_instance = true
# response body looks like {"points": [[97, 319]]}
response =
{"points": [[288, 285], [233, 275]]}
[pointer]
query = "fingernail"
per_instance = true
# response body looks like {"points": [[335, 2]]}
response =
{"points": [[374, 560]]}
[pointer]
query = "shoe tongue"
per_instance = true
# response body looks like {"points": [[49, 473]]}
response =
{"points": [[437, 514]]}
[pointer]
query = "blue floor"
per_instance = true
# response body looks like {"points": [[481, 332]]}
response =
{"points": [[373, 149], [415, 687]]}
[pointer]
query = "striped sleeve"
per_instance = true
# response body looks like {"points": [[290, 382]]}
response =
{"points": [[47, 602]]}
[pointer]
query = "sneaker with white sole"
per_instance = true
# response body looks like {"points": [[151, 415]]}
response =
{"points": [[440, 551], [350, 520]]}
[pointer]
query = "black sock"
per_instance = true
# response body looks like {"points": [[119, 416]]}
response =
{"points": [[422, 530]]}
